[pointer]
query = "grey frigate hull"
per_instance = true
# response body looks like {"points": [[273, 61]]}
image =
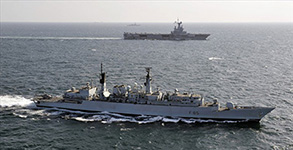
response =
{"points": [[150, 36], [246, 114], [138, 101]]}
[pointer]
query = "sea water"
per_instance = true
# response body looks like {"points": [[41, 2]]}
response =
{"points": [[245, 63]]}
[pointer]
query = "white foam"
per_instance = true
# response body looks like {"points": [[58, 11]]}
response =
{"points": [[20, 115], [112, 118], [171, 120], [125, 129], [215, 58], [151, 120], [35, 119], [56, 113], [37, 112], [83, 119], [15, 100]]}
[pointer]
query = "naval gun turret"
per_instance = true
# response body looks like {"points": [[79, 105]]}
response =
{"points": [[87, 92]]}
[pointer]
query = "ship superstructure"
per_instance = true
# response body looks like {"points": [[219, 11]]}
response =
{"points": [[177, 34], [138, 101]]}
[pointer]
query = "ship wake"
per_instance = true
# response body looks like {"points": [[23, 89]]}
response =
{"points": [[112, 118], [15, 101], [108, 118]]}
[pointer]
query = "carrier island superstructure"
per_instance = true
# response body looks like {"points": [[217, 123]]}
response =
{"points": [[138, 100], [177, 34]]}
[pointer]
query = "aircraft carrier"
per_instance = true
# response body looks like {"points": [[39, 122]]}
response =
{"points": [[177, 34]]}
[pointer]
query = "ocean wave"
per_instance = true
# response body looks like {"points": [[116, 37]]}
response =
{"points": [[15, 100], [30, 113], [20, 115]]}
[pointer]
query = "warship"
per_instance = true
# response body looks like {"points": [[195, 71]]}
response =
{"points": [[142, 100], [134, 24], [177, 34]]}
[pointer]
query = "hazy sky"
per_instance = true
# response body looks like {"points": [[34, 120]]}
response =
{"points": [[145, 11]]}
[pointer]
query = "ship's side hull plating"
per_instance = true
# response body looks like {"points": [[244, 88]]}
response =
{"points": [[244, 113]]}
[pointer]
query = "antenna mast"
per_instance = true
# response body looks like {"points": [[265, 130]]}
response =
{"points": [[147, 83], [104, 93], [101, 68]]}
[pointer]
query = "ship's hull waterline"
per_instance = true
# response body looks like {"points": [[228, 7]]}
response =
{"points": [[149, 36], [246, 114]]}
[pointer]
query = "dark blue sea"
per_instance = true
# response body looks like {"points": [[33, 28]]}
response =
{"points": [[249, 64]]}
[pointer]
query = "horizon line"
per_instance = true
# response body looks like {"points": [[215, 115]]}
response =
{"points": [[143, 22]]}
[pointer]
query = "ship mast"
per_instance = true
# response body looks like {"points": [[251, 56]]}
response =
{"points": [[148, 87], [178, 23], [104, 93]]}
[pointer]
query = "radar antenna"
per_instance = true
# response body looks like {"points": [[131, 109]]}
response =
{"points": [[101, 68], [178, 25], [148, 69]]}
